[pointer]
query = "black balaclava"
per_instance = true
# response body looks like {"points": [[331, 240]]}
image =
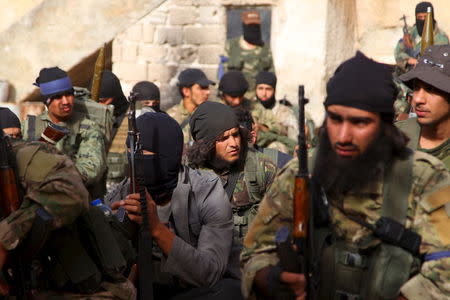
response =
{"points": [[422, 8], [233, 83], [210, 120], [110, 88], [146, 90], [161, 134], [8, 119], [364, 84], [51, 82], [252, 34], [268, 78]]}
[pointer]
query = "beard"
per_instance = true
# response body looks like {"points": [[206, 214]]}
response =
{"points": [[339, 175]]}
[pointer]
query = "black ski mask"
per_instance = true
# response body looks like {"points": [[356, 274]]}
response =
{"points": [[162, 135], [252, 34], [422, 8]]}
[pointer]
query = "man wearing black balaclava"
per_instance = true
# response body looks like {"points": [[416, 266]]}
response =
{"points": [[10, 123], [366, 187], [406, 57], [189, 215], [248, 53]]}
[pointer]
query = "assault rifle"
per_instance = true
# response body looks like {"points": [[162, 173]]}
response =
{"points": [[406, 36], [53, 133], [145, 243], [18, 268], [302, 215]]}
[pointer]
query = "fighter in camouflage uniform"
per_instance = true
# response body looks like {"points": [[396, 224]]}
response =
{"points": [[407, 58], [220, 145], [232, 87], [49, 180], [85, 143], [430, 131], [248, 53], [194, 90], [355, 141]]}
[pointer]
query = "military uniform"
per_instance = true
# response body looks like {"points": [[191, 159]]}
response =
{"points": [[116, 159], [250, 62], [85, 144], [51, 181], [412, 129], [181, 115], [251, 184], [426, 214], [402, 54]]}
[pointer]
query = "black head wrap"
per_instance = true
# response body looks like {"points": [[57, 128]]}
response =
{"points": [[110, 88], [53, 81], [210, 120], [233, 83], [268, 78], [8, 119], [422, 8], [161, 134], [146, 90], [364, 84], [252, 34]]}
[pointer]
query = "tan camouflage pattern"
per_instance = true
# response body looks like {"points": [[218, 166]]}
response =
{"points": [[85, 145], [114, 291], [402, 102], [250, 62], [287, 120], [116, 160], [427, 215], [49, 179], [412, 130], [250, 190], [400, 52], [179, 113]]}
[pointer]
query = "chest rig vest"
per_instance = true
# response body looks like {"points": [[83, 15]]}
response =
{"points": [[346, 272]]}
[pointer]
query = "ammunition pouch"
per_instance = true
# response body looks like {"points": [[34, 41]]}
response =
{"points": [[242, 218], [375, 274]]}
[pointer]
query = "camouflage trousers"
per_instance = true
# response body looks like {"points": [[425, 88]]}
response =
{"points": [[116, 291]]}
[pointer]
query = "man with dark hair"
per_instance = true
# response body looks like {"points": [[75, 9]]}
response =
{"points": [[246, 121], [193, 86], [430, 130], [248, 53], [368, 187], [406, 58], [232, 88], [148, 95], [221, 145], [189, 215], [85, 143], [10, 123]]}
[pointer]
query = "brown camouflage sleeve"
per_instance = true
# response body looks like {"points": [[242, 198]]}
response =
{"points": [[432, 221], [50, 180], [275, 212], [90, 159]]}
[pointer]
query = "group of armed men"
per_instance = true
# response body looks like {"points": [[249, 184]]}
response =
{"points": [[219, 181]]}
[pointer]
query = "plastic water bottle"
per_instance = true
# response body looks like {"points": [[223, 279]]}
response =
{"points": [[106, 210]]}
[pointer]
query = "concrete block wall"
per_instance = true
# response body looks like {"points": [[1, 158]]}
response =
{"points": [[179, 34]]}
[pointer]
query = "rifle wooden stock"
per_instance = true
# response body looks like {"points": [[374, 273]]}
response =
{"points": [[9, 199], [406, 36], [53, 133], [301, 207], [427, 33]]}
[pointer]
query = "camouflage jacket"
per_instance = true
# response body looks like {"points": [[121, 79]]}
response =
{"points": [[48, 179], [254, 179], [402, 54], [250, 62], [181, 115], [426, 214], [287, 120], [412, 130], [85, 144], [262, 115]]}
